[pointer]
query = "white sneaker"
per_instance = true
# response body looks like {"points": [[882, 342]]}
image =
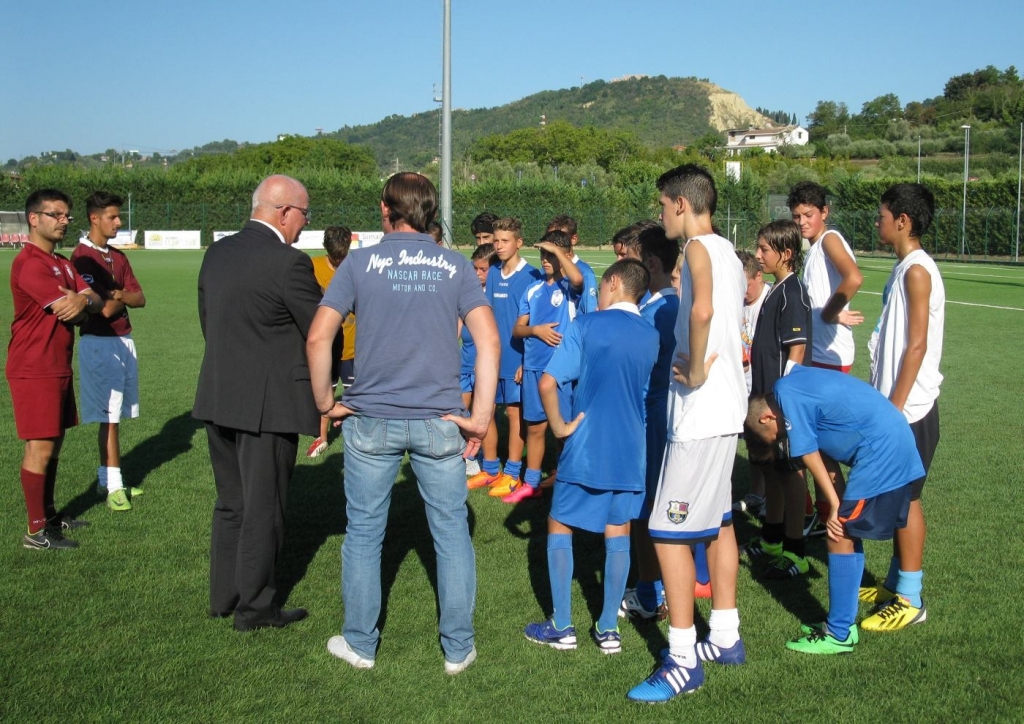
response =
{"points": [[339, 647], [472, 467], [453, 669]]}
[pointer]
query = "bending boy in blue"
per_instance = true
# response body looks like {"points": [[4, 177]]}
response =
{"points": [[826, 412], [600, 483]]}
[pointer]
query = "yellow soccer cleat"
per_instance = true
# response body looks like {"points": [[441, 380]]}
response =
{"points": [[502, 486], [875, 594], [894, 615]]}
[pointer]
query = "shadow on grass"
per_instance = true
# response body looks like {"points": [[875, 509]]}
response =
{"points": [[174, 439]]}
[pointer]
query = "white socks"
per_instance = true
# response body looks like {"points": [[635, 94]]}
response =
{"points": [[725, 627]]}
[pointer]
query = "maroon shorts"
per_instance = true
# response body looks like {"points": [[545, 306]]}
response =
{"points": [[838, 368], [43, 407]]}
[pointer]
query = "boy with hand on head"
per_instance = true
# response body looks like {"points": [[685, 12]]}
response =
{"points": [[545, 312], [660, 255], [780, 339], [482, 257], [600, 485], [753, 298], [505, 286], [906, 348], [707, 400], [831, 277], [824, 412], [588, 299]]}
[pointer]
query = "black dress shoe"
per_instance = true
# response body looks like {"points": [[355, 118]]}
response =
{"points": [[281, 619]]}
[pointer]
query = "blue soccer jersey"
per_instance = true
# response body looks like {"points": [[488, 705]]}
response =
{"points": [[588, 297], [504, 293], [609, 355], [467, 361], [661, 311], [852, 422], [546, 303]]}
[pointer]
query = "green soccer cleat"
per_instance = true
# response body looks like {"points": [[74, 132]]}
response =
{"points": [[819, 642], [786, 566], [118, 500], [894, 615], [809, 628]]}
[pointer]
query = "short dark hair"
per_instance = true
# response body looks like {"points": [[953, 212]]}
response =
{"points": [[559, 238], [693, 183], [36, 199], [509, 223], [751, 267], [914, 200], [483, 223], [563, 222], [412, 198], [629, 236], [99, 200], [783, 234], [634, 275], [436, 231], [807, 192], [484, 251], [337, 240], [654, 244]]}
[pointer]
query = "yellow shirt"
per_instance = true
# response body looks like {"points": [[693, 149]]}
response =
{"points": [[324, 272]]}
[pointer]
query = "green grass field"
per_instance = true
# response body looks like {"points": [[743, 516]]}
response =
{"points": [[117, 630]]}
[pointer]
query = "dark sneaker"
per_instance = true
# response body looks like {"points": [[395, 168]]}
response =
{"points": [[47, 538], [66, 522]]}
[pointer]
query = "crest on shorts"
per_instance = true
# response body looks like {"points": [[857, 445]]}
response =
{"points": [[677, 511]]}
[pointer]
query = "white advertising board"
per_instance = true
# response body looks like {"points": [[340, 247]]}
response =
{"points": [[172, 240], [314, 239]]}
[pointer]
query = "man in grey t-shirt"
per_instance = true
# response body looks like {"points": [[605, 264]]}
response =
{"points": [[409, 295]]}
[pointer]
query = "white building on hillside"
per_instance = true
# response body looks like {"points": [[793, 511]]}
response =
{"points": [[770, 139]]}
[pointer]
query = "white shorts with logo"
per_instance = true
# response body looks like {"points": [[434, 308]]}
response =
{"points": [[694, 497], [109, 374]]}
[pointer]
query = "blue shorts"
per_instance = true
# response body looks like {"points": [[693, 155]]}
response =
{"points": [[657, 438], [578, 506], [347, 371], [876, 518], [533, 408], [467, 381], [508, 392]]}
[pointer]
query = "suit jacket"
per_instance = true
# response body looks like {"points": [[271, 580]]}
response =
{"points": [[257, 298]]}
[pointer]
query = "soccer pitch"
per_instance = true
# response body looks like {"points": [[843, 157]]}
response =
{"points": [[117, 630]]}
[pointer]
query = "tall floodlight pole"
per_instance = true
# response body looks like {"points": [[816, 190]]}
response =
{"points": [[963, 217], [446, 127], [1020, 159]]}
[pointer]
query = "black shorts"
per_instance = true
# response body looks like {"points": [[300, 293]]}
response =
{"points": [[926, 435]]}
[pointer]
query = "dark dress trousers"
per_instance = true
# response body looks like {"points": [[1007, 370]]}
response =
{"points": [[257, 298]]}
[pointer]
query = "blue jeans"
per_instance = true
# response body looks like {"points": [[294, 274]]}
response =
{"points": [[374, 449]]}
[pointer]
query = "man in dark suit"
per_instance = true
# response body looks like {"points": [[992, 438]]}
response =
{"points": [[257, 298]]}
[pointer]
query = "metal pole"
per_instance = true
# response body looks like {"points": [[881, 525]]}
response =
{"points": [[919, 159], [963, 217], [1020, 158], [446, 127]]}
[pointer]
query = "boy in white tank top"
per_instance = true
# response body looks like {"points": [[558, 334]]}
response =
{"points": [[707, 397], [831, 277], [905, 349]]}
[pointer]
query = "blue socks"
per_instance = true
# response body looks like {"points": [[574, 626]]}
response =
{"points": [[700, 561], [512, 468], [908, 585], [491, 467], [616, 569], [560, 576], [650, 593], [532, 477], [844, 573]]}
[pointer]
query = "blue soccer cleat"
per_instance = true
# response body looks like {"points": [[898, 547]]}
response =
{"points": [[546, 633], [667, 682], [735, 654]]}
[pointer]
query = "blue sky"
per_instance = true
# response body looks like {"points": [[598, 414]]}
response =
{"points": [[163, 76]]}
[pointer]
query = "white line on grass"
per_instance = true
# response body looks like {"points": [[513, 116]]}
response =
{"points": [[964, 304], [947, 270]]}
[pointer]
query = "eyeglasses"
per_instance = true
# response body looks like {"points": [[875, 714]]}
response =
{"points": [[58, 215], [305, 212]]}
